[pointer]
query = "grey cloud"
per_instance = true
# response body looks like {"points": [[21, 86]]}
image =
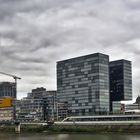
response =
{"points": [[35, 34], [10, 8]]}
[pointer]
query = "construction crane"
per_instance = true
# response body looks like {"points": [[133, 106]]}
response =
{"points": [[14, 105], [15, 78]]}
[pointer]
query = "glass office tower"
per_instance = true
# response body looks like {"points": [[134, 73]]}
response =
{"points": [[83, 83], [120, 81]]}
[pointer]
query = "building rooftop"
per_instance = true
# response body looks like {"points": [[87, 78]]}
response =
{"points": [[83, 56]]}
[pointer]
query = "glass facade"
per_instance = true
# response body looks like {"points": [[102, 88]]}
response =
{"points": [[120, 81], [7, 89], [83, 82]]}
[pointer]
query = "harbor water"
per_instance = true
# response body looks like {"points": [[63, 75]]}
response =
{"points": [[42, 136]]}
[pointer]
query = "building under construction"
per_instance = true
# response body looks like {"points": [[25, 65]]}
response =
{"points": [[8, 89]]}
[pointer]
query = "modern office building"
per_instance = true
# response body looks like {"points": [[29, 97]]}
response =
{"points": [[50, 106], [83, 82], [38, 93], [39, 105], [120, 81], [54, 110], [8, 89], [62, 111], [30, 109]]}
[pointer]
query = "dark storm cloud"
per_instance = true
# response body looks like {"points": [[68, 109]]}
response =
{"points": [[34, 34]]}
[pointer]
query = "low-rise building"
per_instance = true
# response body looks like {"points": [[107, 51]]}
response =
{"points": [[62, 110], [116, 107], [39, 105], [30, 110], [126, 107], [6, 109], [6, 114]]}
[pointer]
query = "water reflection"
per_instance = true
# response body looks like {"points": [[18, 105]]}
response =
{"points": [[67, 137]]}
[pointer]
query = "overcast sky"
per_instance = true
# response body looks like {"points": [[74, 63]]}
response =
{"points": [[34, 34]]}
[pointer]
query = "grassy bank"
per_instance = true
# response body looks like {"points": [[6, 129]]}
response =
{"points": [[132, 129], [6, 128], [24, 128], [96, 129]]}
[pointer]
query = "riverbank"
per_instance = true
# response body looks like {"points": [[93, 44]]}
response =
{"points": [[23, 129], [93, 129], [96, 129]]}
